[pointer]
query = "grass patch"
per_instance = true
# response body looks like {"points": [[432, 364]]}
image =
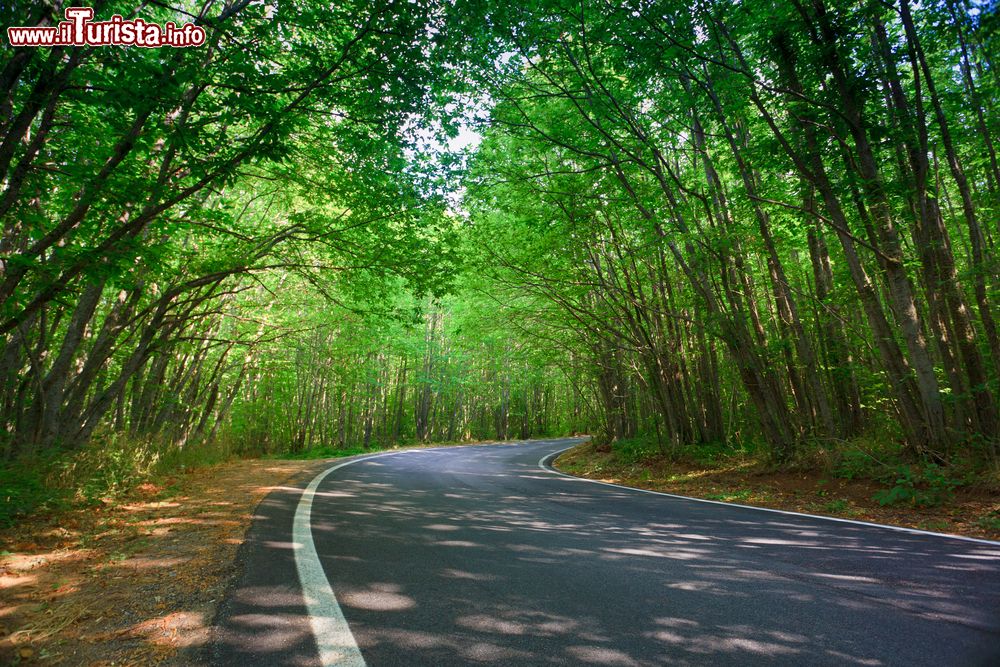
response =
{"points": [[739, 495], [990, 521], [839, 506]]}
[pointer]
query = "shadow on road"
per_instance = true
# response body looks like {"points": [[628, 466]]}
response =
{"points": [[440, 559]]}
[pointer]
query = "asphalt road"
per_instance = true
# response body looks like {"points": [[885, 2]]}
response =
{"points": [[476, 555]]}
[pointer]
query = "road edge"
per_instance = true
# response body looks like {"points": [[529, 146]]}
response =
{"points": [[335, 643], [545, 463]]}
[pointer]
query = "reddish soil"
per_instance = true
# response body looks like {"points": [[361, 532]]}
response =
{"points": [[136, 581]]}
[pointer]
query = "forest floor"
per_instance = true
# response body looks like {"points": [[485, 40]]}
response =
{"points": [[971, 511], [135, 581]]}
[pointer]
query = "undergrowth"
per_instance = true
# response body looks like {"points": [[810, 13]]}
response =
{"points": [[322, 453], [644, 448], [114, 464], [106, 469], [928, 485], [908, 480]]}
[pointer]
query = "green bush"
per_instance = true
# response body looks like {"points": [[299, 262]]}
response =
{"points": [[855, 464], [634, 450], [837, 506], [928, 487], [23, 490], [989, 521]]}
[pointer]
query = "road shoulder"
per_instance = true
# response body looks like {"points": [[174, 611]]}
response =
{"points": [[798, 491]]}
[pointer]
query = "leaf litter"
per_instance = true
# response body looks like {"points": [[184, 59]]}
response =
{"points": [[130, 582]]}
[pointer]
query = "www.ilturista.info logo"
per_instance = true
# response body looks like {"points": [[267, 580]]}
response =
{"points": [[79, 30]]}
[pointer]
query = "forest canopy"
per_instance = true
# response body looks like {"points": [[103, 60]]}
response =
{"points": [[765, 225]]}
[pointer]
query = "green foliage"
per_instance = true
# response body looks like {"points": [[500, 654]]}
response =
{"points": [[838, 506], [928, 486], [23, 490], [990, 521], [857, 464], [693, 153], [200, 202], [635, 450], [106, 469], [739, 495]]}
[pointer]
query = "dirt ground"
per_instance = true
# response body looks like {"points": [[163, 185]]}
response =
{"points": [[134, 582], [802, 491]]}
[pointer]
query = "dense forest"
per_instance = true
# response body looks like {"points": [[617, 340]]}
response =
{"points": [[769, 224]]}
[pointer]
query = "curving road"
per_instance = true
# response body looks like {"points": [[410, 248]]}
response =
{"points": [[478, 555]]}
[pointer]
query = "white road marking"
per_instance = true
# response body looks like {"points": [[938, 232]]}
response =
{"points": [[333, 636], [334, 639], [551, 456]]}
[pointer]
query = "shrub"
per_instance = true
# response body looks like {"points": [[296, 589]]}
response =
{"points": [[23, 490], [838, 506], [989, 521], [634, 450], [109, 466], [927, 488], [855, 464]]}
